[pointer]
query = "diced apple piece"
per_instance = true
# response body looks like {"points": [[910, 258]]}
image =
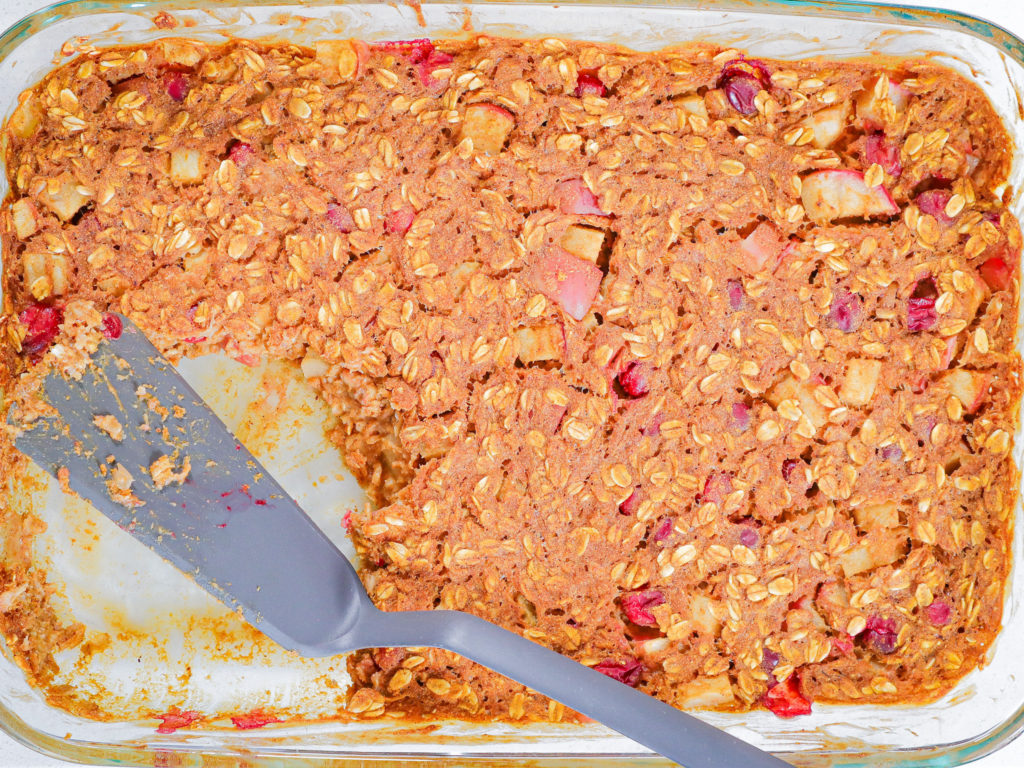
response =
{"points": [[540, 342], [860, 381], [186, 166], [880, 101], [706, 693], [574, 196], [694, 104], [874, 552], [969, 387], [826, 125], [881, 515], [568, 280], [843, 194], [340, 58], [791, 388], [66, 199], [24, 213], [313, 366], [181, 52], [703, 616], [973, 296], [760, 250], [585, 242], [488, 125], [26, 118]]}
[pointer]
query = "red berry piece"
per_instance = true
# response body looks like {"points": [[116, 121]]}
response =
{"points": [[634, 379], [340, 217], [630, 505], [637, 606], [880, 634], [588, 83], [734, 290], [177, 86], [892, 452], [921, 315], [716, 488], [933, 202], [654, 427], [398, 222], [42, 323], [769, 661], [842, 644], [112, 326], [939, 613], [847, 312], [786, 700], [996, 274], [740, 417], [664, 529], [627, 672], [880, 149], [742, 80], [241, 153], [749, 537]]}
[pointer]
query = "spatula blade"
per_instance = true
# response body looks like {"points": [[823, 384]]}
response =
{"points": [[228, 524]]}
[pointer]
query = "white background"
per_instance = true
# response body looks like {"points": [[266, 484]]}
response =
{"points": [[1006, 13]]}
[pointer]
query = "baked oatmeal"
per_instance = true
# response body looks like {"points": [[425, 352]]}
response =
{"points": [[697, 368]]}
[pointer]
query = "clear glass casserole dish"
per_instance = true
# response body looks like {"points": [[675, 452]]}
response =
{"points": [[984, 712]]}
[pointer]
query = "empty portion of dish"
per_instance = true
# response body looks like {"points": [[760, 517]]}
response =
{"points": [[697, 368]]}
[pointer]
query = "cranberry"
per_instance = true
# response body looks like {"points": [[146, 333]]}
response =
{"points": [[634, 379], [340, 217], [847, 312], [716, 488], [939, 613], [884, 151], [842, 644], [241, 153], [769, 661], [112, 326], [881, 634], [734, 289], [399, 222], [742, 80], [933, 202], [42, 324], [637, 606], [588, 83], [177, 86], [794, 472], [654, 427], [664, 529], [749, 537], [627, 672], [786, 700], [740, 417], [629, 506], [892, 452], [921, 314]]}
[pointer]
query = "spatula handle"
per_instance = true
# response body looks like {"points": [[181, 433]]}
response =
{"points": [[680, 737]]}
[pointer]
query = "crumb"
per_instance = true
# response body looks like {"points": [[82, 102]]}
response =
{"points": [[163, 472], [110, 425], [119, 485]]}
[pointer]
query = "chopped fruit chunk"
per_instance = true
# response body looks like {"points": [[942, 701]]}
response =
{"points": [[734, 289], [570, 281], [177, 86], [488, 126], [339, 216], [742, 80], [186, 166], [794, 472], [769, 660], [881, 101], [634, 379], [241, 154], [749, 537], [995, 272], [885, 152], [704, 615], [860, 381], [664, 529], [24, 213], [921, 314], [847, 312], [791, 388], [313, 366], [881, 515], [694, 105], [627, 672], [706, 692], [540, 342], [842, 194], [842, 644], [826, 125], [969, 387], [637, 606], [65, 197], [874, 552], [584, 242], [785, 698], [399, 222], [934, 202], [574, 196], [41, 326], [881, 634], [654, 427], [761, 250], [939, 613], [26, 118], [589, 84], [716, 488], [631, 504]]}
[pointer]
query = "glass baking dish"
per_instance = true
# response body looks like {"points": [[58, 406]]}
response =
{"points": [[982, 714]]}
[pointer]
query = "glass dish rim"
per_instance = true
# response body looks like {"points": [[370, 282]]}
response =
{"points": [[114, 753]]}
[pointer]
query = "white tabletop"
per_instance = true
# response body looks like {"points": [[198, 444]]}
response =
{"points": [[1006, 13]]}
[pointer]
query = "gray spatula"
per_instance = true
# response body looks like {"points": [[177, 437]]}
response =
{"points": [[238, 534]]}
